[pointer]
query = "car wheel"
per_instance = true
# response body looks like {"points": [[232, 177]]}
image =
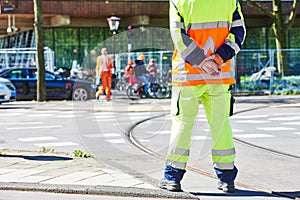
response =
{"points": [[80, 94]]}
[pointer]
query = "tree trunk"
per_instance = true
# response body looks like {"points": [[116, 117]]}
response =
{"points": [[38, 21]]}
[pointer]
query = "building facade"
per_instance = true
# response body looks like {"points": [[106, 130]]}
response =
{"points": [[75, 28]]}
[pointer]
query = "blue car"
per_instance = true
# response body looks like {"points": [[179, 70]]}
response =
{"points": [[7, 91], [25, 81]]}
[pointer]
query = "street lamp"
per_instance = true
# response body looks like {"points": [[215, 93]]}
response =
{"points": [[113, 23]]}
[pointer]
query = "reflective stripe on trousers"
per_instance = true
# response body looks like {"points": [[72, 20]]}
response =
{"points": [[184, 108]]}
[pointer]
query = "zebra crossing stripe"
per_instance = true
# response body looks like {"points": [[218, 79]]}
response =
{"points": [[275, 128], [254, 136], [34, 127], [99, 135], [56, 144], [253, 121], [34, 139], [117, 141]]}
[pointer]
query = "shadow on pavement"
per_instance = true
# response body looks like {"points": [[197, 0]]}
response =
{"points": [[240, 193], [12, 107], [39, 158], [289, 194]]}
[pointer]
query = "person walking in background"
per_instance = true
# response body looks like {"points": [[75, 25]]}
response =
{"points": [[103, 70], [153, 85], [129, 71], [151, 68], [207, 35], [141, 72]]}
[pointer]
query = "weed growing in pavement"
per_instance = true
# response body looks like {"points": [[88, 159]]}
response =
{"points": [[47, 150], [78, 153]]}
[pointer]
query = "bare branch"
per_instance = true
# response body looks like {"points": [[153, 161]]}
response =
{"points": [[291, 17], [262, 9]]}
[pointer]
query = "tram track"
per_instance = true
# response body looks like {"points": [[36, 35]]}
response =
{"points": [[133, 140]]}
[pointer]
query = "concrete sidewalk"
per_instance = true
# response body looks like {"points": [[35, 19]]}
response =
{"points": [[59, 172]]}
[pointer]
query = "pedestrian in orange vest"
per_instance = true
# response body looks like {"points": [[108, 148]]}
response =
{"points": [[103, 69]]}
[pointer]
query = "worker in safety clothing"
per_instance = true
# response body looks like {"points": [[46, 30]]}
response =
{"points": [[104, 69], [207, 35]]}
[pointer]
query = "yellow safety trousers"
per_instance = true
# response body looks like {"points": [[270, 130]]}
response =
{"points": [[184, 108]]}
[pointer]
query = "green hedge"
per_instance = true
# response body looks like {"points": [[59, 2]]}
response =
{"points": [[280, 86]]}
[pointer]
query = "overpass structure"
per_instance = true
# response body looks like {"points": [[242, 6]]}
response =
{"points": [[19, 14]]}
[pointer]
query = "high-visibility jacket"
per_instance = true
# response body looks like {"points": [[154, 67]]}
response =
{"points": [[200, 28]]}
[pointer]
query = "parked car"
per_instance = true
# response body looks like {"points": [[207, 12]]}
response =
{"points": [[7, 91], [25, 81]]}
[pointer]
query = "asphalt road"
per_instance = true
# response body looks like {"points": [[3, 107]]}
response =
{"points": [[267, 133]]}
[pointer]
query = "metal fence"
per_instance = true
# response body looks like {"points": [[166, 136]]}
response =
{"points": [[256, 71]]}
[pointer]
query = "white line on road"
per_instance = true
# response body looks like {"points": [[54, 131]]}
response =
{"points": [[253, 121], [39, 115], [117, 141], [275, 128], [33, 127], [237, 130], [68, 116], [291, 123], [249, 116], [254, 136], [34, 139], [199, 137], [20, 123], [102, 135], [285, 118], [56, 144], [11, 114]]}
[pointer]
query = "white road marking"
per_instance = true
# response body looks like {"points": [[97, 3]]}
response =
{"points": [[102, 135], [297, 133], [285, 118], [291, 123], [199, 137], [20, 123], [117, 141], [39, 115], [68, 116], [139, 113], [33, 127], [248, 116], [237, 130], [275, 128], [254, 136], [104, 120], [200, 120], [56, 144], [282, 114], [34, 139], [11, 114], [253, 121], [103, 117]]}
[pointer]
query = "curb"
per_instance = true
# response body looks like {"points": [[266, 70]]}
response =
{"points": [[96, 190]]}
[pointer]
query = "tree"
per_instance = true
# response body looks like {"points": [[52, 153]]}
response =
{"points": [[38, 21], [282, 23]]}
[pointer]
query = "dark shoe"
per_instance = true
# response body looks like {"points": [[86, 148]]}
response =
{"points": [[169, 185], [226, 187]]}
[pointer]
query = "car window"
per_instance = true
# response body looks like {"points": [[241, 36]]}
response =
{"points": [[49, 76], [16, 74], [32, 73]]}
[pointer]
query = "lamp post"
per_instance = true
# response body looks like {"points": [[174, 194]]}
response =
{"points": [[113, 23]]}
